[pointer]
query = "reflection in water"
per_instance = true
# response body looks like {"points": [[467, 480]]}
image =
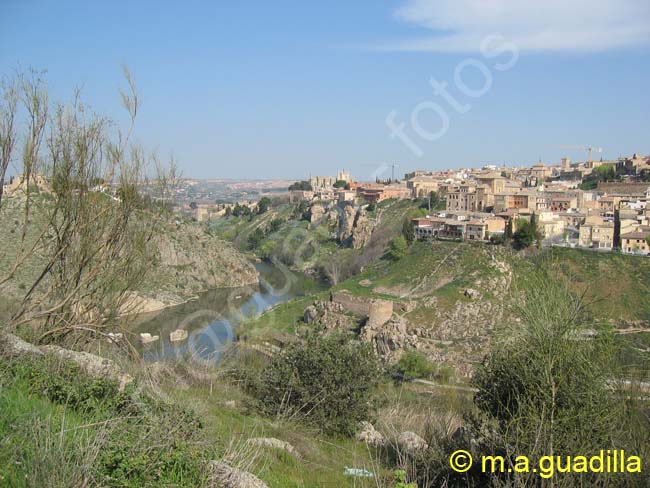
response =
{"points": [[212, 319]]}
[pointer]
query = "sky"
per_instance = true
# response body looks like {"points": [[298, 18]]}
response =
{"points": [[288, 89]]}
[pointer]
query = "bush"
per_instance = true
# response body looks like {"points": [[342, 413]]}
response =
{"points": [[397, 249], [275, 225], [414, 364], [546, 389], [330, 380], [255, 238]]}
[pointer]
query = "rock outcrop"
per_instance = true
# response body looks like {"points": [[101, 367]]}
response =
{"points": [[389, 338], [222, 475], [91, 364], [191, 261], [328, 315], [13, 345], [355, 228], [316, 213]]}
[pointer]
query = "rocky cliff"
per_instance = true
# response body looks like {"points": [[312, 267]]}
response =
{"points": [[349, 222], [190, 261]]}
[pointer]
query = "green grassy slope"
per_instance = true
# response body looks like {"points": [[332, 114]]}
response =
{"points": [[61, 428], [428, 286]]}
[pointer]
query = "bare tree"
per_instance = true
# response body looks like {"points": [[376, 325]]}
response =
{"points": [[93, 227], [9, 102]]}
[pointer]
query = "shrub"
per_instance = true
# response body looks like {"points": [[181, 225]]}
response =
{"points": [[329, 380], [546, 389], [414, 364], [255, 238], [397, 249]]}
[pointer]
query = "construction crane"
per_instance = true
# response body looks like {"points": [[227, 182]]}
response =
{"points": [[393, 166], [589, 150], [379, 170]]}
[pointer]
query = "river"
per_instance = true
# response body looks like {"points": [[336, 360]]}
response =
{"points": [[213, 319]]}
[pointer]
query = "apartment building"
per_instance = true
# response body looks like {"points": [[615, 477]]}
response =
{"points": [[637, 242], [596, 233], [422, 186], [468, 197], [459, 226]]}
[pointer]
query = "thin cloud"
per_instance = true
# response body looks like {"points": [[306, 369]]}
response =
{"points": [[555, 25]]}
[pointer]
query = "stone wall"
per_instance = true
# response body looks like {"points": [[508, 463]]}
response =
{"points": [[355, 305], [380, 312]]}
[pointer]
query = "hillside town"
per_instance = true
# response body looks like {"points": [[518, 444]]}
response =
{"points": [[600, 205]]}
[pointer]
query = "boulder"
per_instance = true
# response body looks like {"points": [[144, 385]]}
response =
{"points": [[146, 338], [222, 475], [472, 293], [114, 336], [275, 444], [370, 436], [178, 335], [411, 443], [310, 314]]}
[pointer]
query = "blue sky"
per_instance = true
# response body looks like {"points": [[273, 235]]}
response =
{"points": [[264, 89]]}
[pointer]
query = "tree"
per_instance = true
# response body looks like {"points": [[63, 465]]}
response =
{"points": [[508, 232], [263, 205], [241, 211], [414, 364], [525, 235], [193, 205], [408, 231], [275, 225], [329, 380], [398, 248], [8, 136], [534, 228], [301, 185], [94, 248], [255, 238], [342, 184]]}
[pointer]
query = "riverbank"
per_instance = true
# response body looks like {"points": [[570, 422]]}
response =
{"points": [[213, 318]]}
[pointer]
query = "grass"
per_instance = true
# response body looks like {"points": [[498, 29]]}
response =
{"points": [[61, 428], [617, 286]]}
